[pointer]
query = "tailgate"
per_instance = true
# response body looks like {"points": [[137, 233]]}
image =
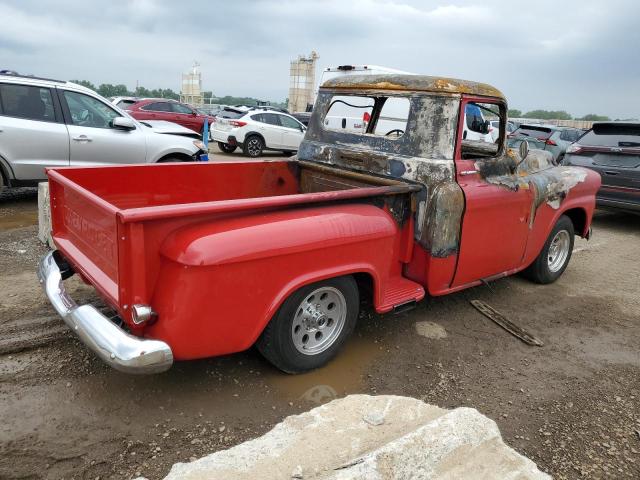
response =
{"points": [[85, 229]]}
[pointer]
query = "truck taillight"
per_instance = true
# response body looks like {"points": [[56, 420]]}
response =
{"points": [[237, 123]]}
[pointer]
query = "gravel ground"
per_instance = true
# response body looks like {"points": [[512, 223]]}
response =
{"points": [[572, 405]]}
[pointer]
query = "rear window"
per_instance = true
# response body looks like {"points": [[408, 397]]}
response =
{"points": [[230, 113], [355, 114], [541, 133], [570, 135], [608, 135], [125, 104]]}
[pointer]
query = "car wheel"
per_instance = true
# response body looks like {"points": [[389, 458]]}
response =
{"points": [[311, 325], [253, 146], [555, 255], [226, 148], [560, 159]]}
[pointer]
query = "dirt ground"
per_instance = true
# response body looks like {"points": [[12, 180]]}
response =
{"points": [[572, 406]]}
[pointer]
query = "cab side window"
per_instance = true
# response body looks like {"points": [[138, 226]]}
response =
{"points": [[31, 103], [482, 130]]}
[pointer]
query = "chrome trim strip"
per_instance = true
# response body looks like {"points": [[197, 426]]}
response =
{"points": [[113, 345]]}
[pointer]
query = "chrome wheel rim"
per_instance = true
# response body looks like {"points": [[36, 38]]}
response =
{"points": [[318, 320], [558, 251], [254, 147]]}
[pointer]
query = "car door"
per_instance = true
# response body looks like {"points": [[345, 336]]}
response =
{"points": [[186, 117], [495, 225], [273, 132], [292, 132], [93, 139], [32, 131]]}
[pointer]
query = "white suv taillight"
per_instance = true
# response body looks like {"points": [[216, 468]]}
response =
{"points": [[237, 123], [574, 148]]}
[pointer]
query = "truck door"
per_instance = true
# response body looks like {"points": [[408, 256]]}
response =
{"points": [[495, 221]]}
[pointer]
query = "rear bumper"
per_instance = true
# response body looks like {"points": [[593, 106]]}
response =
{"points": [[113, 345]]}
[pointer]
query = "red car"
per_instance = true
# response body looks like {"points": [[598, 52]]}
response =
{"points": [[169, 110]]}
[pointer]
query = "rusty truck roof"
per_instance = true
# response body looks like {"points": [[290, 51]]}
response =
{"points": [[417, 83]]}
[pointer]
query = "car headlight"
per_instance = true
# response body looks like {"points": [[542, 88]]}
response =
{"points": [[199, 144]]}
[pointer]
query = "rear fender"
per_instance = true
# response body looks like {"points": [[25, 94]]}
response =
{"points": [[240, 270]]}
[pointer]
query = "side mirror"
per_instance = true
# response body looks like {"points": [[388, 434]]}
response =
{"points": [[123, 123], [523, 150]]}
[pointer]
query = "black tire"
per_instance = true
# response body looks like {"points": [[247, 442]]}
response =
{"points": [[253, 146], [543, 270], [277, 342], [226, 148], [560, 159]]}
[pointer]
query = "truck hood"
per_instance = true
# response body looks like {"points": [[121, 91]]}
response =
{"points": [[169, 128]]}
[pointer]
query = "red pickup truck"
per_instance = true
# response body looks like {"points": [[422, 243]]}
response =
{"points": [[207, 259]]}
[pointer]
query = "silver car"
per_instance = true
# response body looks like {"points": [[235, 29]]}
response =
{"points": [[50, 123]]}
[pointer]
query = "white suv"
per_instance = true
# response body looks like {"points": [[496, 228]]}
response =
{"points": [[257, 130], [50, 123]]}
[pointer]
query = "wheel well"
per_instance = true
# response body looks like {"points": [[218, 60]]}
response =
{"points": [[177, 155], [254, 134], [365, 287], [579, 219]]}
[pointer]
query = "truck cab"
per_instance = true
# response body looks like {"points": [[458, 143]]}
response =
{"points": [[210, 259]]}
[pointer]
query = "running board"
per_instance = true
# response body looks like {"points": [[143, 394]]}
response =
{"points": [[399, 294]]}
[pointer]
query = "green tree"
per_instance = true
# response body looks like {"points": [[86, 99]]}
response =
{"points": [[109, 90], [514, 113], [85, 83], [548, 115], [592, 117]]}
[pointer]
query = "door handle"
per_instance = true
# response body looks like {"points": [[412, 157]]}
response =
{"points": [[609, 172], [82, 138]]}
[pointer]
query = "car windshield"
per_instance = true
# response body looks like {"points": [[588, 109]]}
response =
{"points": [[611, 135]]}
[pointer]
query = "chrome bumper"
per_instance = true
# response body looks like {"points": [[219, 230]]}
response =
{"points": [[113, 345]]}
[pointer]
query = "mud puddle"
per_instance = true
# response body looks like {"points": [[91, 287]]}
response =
{"points": [[18, 219]]}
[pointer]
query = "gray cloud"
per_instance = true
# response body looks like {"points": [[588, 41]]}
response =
{"points": [[575, 55]]}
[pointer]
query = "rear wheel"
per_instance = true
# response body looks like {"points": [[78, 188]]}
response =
{"points": [[253, 146], [555, 255], [311, 325], [226, 148]]}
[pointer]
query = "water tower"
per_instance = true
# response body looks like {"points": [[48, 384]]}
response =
{"points": [[191, 91], [302, 80]]}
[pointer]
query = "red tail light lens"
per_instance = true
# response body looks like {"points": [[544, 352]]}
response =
{"points": [[551, 142], [237, 123]]}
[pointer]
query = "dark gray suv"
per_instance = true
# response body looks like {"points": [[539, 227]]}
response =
{"points": [[613, 150]]}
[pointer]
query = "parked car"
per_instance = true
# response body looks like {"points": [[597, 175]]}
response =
{"points": [[613, 150], [257, 130], [495, 128], [279, 254], [553, 139], [170, 111], [123, 102], [50, 123]]}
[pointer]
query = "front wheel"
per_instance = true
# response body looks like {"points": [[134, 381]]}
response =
{"points": [[253, 146], [311, 325], [555, 255], [226, 148]]}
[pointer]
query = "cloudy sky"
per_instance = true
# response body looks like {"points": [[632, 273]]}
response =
{"points": [[580, 56]]}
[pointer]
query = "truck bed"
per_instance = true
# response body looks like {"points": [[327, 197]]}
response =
{"points": [[106, 221]]}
